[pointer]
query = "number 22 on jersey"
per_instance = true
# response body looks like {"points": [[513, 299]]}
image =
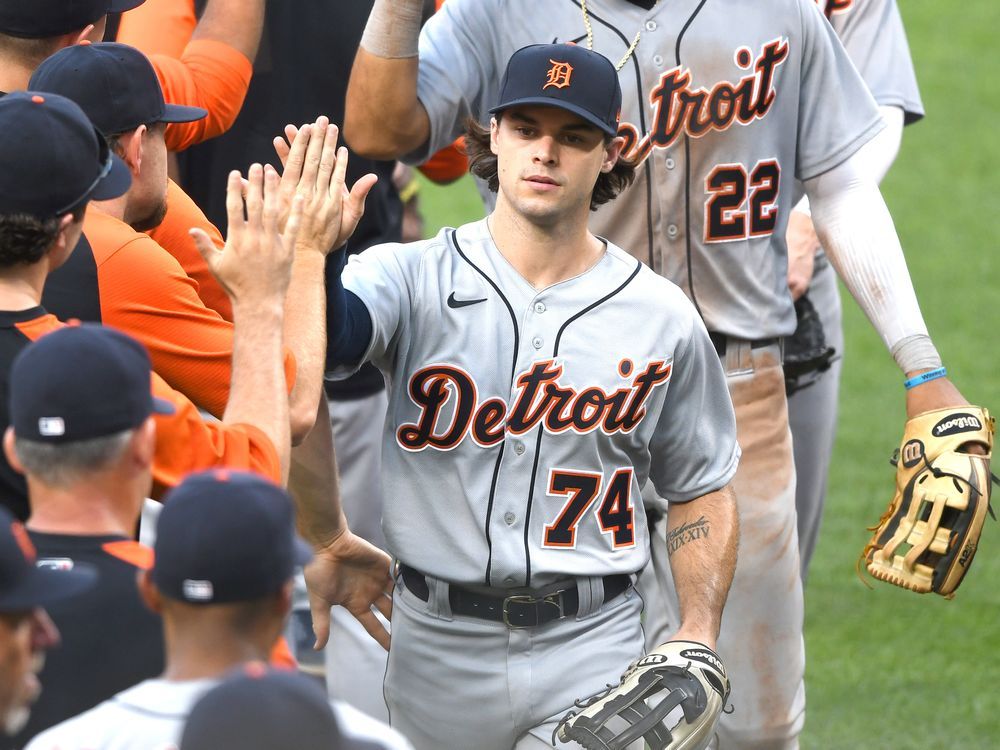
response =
{"points": [[741, 203], [615, 515]]}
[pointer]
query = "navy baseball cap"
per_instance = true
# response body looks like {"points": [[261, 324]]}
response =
{"points": [[258, 708], [23, 585], [226, 536], [116, 85], [566, 76], [40, 19], [79, 383], [52, 159]]}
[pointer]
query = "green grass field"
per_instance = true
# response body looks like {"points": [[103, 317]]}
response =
{"points": [[888, 668]]}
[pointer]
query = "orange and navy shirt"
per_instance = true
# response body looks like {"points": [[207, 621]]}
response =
{"points": [[122, 278], [185, 442]]}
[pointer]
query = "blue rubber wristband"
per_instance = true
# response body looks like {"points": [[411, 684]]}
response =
{"points": [[923, 377]]}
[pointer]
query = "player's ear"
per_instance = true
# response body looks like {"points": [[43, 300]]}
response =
{"points": [[494, 131], [10, 452], [130, 149], [612, 151], [144, 443]]}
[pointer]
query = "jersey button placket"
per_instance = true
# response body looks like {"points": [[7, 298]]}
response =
{"points": [[537, 342]]}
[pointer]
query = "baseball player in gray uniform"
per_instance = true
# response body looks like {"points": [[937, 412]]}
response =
{"points": [[873, 35], [522, 426], [726, 104]]}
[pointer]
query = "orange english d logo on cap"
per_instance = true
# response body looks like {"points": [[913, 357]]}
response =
{"points": [[558, 75]]}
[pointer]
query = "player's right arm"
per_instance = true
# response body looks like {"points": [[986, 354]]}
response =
{"points": [[403, 106], [702, 537], [694, 458], [255, 269]]}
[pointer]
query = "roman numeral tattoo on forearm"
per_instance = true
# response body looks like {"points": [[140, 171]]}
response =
{"points": [[689, 532]]}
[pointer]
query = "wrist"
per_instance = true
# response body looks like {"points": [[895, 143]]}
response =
{"points": [[259, 309], [393, 28]]}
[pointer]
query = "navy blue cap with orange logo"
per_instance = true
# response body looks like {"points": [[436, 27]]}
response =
{"points": [[258, 708], [566, 76], [52, 159]]}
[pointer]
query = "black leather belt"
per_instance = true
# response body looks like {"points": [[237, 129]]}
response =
{"points": [[516, 610], [719, 341]]}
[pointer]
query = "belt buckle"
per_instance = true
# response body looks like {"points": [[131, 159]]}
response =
{"points": [[554, 599]]}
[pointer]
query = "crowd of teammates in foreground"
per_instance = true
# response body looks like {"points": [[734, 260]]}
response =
{"points": [[93, 228]]}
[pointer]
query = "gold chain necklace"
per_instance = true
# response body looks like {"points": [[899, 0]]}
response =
{"points": [[590, 35]]}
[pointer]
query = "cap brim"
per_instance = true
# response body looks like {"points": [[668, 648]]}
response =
{"points": [[550, 101], [162, 406], [120, 6], [115, 183], [180, 113], [303, 553], [46, 586]]}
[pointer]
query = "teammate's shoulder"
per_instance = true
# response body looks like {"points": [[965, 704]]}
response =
{"points": [[107, 236]]}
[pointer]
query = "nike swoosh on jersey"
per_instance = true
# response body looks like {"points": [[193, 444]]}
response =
{"points": [[454, 304]]}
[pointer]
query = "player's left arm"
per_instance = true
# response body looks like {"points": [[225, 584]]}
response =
{"points": [[857, 232], [875, 157], [702, 537]]}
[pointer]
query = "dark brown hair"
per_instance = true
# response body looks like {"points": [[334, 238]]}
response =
{"points": [[483, 164], [24, 239]]}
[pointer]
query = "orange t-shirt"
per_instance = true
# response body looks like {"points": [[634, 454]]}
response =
{"points": [[185, 442], [159, 27], [211, 75], [200, 73], [172, 235], [448, 164], [145, 292]]}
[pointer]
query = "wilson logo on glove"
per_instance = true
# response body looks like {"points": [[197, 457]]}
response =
{"points": [[956, 424]]}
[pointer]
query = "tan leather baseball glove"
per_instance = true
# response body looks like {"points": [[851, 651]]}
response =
{"points": [[928, 536]]}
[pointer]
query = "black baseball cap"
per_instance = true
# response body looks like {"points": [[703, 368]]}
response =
{"points": [[259, 708], [40, 19], [566, 76], [81, 382], [52, 159], [113, 83], [226, 536], [23, 585]]}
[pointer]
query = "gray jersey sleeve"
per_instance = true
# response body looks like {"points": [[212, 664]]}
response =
{"points": [[458, 74], [873, 35], [830, 94], [694, 449], [382, 277]]}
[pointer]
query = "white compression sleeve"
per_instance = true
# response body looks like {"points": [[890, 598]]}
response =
{"points": [[393, 28], [856, 230], [876, 156]]}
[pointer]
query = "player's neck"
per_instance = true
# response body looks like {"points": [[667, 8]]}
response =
{"points": [[544, 254], [114, 207], [206, 650], [104, 505], [21, 287]]}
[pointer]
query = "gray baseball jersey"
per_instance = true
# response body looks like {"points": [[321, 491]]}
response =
{"points": [[725, 100], [522, 424], [872, 33]]}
